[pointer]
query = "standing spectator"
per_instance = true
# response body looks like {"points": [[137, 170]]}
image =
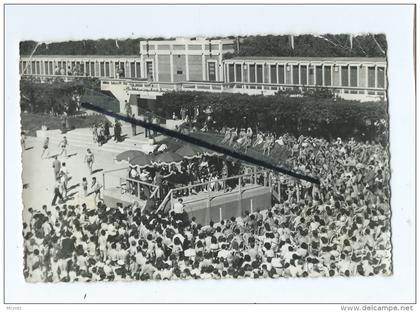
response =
{"points": [[117, 131], [101, 135], [134, 175], [57, 167], [147, 130], [225, 170], [183, 113], [89, 159], [128, 108], [64, 123], [155, 121], [64, 176], [57, 193], [144, 177], [133, 126], [96, 188], [45, 148], [106, 130], [158, 181], [63, 145]]}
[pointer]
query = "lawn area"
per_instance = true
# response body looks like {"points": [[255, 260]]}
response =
{"points": [[30, 123]]}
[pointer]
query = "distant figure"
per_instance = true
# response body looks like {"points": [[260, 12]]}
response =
{"points": [[121, 72], [57, 167], [183, 113], [95, 133], [64, 124], [64, 177], [96, 188], [128, 109], [45, 147], [117, 131], [23, 140], [158, 180], [155, 121], [63, 145], [89, 159], [57, 193], [106, 130], [133, 126], [117, 69], [147, 130], [85, 187]]}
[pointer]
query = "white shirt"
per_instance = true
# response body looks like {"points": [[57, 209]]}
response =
{"points": [[179, 208]]}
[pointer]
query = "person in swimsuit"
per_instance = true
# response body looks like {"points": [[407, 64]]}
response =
{"points": [[89, 159], [63, 145], [45, 148]]}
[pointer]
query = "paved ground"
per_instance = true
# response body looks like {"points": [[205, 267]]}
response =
{"points": [[38, 175]]}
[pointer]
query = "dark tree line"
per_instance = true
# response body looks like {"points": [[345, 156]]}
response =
{"points": [[54, 98], [308, 115], [366, 45], [84, 47]]}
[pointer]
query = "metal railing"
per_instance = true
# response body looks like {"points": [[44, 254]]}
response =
{"points": [[142, 84], [221, 86], [213, 188], [132, 187]]}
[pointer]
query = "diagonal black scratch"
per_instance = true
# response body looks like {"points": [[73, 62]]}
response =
{"points": [[202, 143]]}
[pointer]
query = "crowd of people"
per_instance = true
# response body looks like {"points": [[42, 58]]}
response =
{"points": [[244, 139], [340, 228], [101, 132], [189, 171]]}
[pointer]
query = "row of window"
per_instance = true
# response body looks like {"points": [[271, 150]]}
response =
{"points": [[214, 46], [326, 75], [75, 68]]}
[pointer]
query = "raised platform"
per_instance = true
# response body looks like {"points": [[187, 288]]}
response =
{"points": [[221, 206], [112, 196]]}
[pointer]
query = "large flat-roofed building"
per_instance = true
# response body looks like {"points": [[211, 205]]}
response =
{"points": [[352, 72], [203, 64], [184, 59]]}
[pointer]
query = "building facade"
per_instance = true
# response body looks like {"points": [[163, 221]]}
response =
{"points": [[206, 65], [352, 74], [184, 59], [99, 66]]}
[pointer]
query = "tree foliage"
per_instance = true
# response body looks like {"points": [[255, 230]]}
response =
{"points": [[312, 116], [84, 47], [366, 45], [54, 98]]}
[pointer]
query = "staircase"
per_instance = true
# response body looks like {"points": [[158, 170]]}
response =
{"points": [[83, 138]]}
